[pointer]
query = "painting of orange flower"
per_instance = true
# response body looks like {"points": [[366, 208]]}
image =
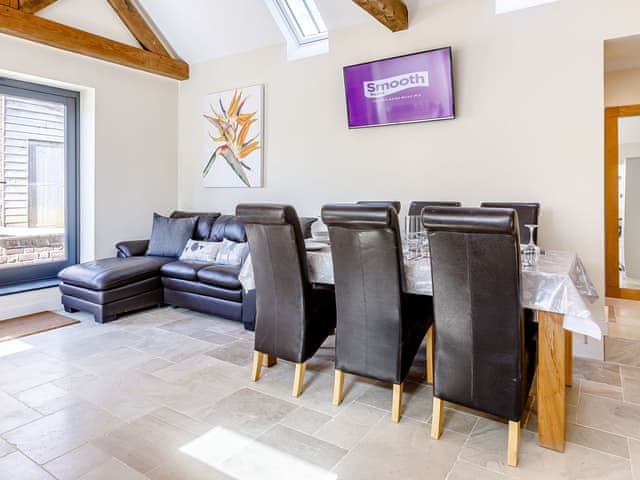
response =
{"points": [[233, 138]]}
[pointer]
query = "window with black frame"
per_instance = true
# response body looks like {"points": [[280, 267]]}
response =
{"points": [[38, 184]]}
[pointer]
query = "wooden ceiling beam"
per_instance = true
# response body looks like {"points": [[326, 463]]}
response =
{"points": [[37, 29], [10, 3], [34, 6], [393, 14], [138, 26]]}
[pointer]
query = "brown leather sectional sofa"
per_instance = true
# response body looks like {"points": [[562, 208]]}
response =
{"points": [[132, 281]]}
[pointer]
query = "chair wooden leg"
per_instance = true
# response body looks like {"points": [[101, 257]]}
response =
{"points": [[436, 419], [429, 345], [269, 360], [568, 363], [514, 443], [338, 384], [257, 366], [298, 379], [396, 406]]}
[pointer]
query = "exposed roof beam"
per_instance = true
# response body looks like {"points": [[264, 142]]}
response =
{"points": [[392, 14], [10, 3], [33, 6], [138, 26], [37, 29]]}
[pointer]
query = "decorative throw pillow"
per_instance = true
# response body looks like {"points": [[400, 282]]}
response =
{"points": [[232, 253], [199, 251], [170, 235]]}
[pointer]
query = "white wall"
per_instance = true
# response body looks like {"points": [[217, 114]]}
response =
{"points": [[128, 148], [622, 87], [530, 97]]}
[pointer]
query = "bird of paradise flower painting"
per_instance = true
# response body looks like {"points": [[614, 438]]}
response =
{"points": [[233, 149]]}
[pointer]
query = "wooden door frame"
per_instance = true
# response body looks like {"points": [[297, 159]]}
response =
{"points": [[611, 200]]}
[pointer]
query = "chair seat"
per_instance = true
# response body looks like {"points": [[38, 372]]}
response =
{"points": [[183, 270], [225, 276], [108, 273]]}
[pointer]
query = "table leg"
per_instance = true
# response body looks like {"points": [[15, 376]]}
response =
{"points": [[568, 354], [551, 381]]}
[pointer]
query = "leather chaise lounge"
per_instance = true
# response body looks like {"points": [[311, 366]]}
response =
{"points": [[133, 280]]}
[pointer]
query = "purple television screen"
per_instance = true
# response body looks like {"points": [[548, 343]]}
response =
{"points": [[411, 88]]}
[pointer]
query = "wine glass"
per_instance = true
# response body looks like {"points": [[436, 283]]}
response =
{"points": [[531, 251]]}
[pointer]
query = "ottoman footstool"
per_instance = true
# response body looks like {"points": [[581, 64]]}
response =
{"points": [[112, 286]]}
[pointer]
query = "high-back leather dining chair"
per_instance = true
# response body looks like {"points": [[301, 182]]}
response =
{"points": [[382, 203], [379, 326], [292, 317], [481, 359], [416, 207], [528, 213]]}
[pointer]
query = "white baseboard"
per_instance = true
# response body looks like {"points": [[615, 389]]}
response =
{"points": [[26, 303]]}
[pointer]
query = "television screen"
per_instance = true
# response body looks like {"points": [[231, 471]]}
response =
{"points": [[410, 88]]}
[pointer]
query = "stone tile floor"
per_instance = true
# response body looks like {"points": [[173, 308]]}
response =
{"points": [[165, 394]]}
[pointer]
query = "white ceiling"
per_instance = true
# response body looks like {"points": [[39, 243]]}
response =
{"points": [[202, 30], [622, 53], [95, 16]]}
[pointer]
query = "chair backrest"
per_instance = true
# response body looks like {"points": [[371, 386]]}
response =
{"points": [[203, 225], [479, 322], [281, 277], [527, 215], [416, 207], [368, 273], [382, 203]]}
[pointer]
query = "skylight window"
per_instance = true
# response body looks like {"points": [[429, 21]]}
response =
{"points": [[302, 26], [304, 19], [504, 6]]}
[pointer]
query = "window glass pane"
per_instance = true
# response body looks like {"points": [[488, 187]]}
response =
{"points": [[306, 17], [32, 182]]}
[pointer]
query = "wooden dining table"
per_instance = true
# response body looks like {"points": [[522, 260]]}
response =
{"points": [[558, 288]]}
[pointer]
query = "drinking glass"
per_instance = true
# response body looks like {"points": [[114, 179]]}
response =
{"points": [[413, 236], [531, 251]]}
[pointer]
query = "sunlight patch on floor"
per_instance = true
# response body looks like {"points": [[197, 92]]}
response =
{"points": [[13, 346], [218, 447]]}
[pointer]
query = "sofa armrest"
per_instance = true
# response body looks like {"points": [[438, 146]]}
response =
{"points": [[132, 248]]}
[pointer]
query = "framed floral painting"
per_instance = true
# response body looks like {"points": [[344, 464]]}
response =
{"points": [[233, 138]]}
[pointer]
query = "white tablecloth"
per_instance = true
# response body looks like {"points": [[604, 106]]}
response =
{"points": [[558, 283]]}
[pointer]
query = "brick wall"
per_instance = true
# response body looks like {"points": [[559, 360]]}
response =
{"points": [[31, 249]]}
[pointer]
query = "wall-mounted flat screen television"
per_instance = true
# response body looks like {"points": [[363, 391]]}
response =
{"points": [[410, 88]]}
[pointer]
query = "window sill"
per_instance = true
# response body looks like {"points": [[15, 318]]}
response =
{"points": [[29, 286]]}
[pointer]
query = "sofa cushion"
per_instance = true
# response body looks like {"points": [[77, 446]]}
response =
{"points": [[183, 270], [170, 235], [205, 221], [102, 297], [225, 276], [229, 227], [110, 273], [201, 288]]}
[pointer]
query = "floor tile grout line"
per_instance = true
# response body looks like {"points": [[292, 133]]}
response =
{"points": [[458, 459], [634, 474], [600, 429], [475, 465], [357, 444]]}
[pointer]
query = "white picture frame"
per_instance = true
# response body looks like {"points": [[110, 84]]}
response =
{"points": [[233, 138]]}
